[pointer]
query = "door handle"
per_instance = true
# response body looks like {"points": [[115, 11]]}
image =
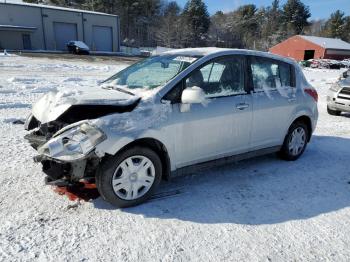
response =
{"points": [[292, 99], [242, 106]]}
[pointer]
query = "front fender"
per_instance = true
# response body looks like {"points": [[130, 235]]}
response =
{"points": [[112, 145], [115, 143]]}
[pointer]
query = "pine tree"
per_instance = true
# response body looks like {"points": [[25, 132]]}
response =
{"points": [[274, 16], [346, 36], [275, 25], [195, 22], [295, 15], [169, 32], [335, 25], [217, 29], [244, 23]]}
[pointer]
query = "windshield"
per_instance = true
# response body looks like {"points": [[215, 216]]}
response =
{"points": [[151, 72]]}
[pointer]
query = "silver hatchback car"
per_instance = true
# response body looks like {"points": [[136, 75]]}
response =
{"points": [[169, 112]]}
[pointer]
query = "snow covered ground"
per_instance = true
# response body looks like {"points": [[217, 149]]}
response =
{"points": [[263, 209]]}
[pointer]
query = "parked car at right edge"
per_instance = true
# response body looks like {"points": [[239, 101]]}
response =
{"points": [[338, 98]]}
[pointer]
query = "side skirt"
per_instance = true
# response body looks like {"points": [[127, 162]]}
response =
{"points": [[224, 161]]}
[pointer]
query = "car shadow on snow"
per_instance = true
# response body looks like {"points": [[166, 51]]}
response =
{"points": [[263, 190]]}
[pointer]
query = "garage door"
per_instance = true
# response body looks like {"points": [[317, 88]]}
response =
{"points": [[102, 38], [64, 32]]}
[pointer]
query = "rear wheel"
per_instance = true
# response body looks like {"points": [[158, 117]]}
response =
{"points": [[129, 178], [333, 112], [295, 142]]}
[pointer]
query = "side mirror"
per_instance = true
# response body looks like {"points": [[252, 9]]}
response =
{"points": [[193, 95], [346, 74]]}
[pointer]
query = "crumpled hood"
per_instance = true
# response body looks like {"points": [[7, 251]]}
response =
{"points": [[53, 104]]}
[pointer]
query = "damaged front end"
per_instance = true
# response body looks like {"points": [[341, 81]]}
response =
{"points": [[66, 145], [68, 155]]}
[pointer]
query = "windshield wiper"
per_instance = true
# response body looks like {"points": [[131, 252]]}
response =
{"points": [[118, 89], [123, 91]]}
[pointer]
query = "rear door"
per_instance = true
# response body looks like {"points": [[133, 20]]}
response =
{"points": [[221, 127], [274, 100]]}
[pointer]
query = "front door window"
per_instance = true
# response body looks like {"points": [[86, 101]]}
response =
{"points": [[222, 77]]}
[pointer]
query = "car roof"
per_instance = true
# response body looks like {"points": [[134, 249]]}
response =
{"points": [[206, 51], [203, 51], [80, 44]]}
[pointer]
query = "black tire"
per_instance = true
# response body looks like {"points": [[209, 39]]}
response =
{"points": [[333, 112], [107, 168], [285, 153]]}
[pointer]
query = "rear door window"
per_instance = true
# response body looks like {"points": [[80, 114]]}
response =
{"points": [[270, 74]]}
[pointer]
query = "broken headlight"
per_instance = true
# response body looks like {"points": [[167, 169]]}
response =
{"points": [[74, 143]]}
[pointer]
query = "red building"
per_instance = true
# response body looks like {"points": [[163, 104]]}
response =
{"points": [[301, 47]]}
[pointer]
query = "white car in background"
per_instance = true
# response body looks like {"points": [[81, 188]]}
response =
{"points": [[171, 111], [338, 98]]}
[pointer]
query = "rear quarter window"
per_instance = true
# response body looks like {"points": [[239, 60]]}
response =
{"points": [[287, 74]]}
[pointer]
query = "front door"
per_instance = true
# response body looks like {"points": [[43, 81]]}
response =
{"points": [[222, 126]]}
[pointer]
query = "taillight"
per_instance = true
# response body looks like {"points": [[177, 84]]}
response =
{"points": [[312, 92]]}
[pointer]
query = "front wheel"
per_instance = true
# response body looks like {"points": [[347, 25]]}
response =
{"points": [[295, 142], [129, 178]]}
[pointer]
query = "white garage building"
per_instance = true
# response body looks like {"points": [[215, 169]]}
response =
{"points": [[39, 27]]}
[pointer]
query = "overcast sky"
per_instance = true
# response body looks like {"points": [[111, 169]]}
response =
{"points": [[319, 8]]}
